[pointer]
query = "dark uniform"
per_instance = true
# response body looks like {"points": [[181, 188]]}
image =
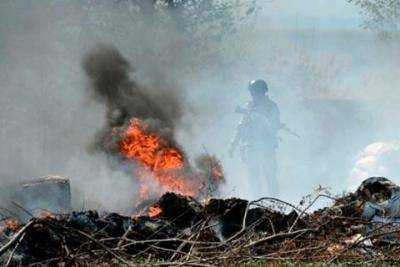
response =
{"points": [[257, 138]]}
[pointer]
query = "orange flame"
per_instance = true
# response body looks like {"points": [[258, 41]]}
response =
{"points": [[12, 224], [154, 210], [161, 165]]}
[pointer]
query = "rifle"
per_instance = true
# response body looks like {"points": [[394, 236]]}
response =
{"points": [[288, 130], [282, 126]]}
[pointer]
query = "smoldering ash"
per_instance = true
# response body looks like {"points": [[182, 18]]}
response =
{"points": [[139, 131]]}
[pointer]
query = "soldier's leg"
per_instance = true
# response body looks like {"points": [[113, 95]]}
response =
{"points": [[253, 177], [270, 171], [255, 173]]}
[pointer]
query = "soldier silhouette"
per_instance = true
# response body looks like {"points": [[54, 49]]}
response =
{"points": [[257, 138]]}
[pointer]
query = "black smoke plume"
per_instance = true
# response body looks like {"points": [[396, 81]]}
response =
{"points": [[110, 83]]}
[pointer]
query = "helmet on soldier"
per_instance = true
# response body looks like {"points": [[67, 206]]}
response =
{"points": [[259, 86]]}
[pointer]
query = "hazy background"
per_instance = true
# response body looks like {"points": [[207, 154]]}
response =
{"points": [[335, 84]]}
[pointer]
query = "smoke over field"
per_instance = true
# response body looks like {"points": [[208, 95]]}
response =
{"points": [[62, 94]]}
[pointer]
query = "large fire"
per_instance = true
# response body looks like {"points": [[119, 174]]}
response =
{"points": [[161, 166]]}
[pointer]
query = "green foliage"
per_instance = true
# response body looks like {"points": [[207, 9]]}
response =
{"points": [[211, 18], [201, 18], [382, 16]]}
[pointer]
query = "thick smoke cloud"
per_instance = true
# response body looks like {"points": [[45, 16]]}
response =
{"points": [[108, 72]]}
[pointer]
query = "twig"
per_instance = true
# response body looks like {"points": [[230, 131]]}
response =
{"points": [[197, 237], [104, 247], [141, 242], [277, 236], [304, 211], [16, 237], [91, 239], [124, 236], [13, 251]]}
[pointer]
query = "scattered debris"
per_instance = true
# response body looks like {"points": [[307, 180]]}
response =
{"points": [[178, 230]]}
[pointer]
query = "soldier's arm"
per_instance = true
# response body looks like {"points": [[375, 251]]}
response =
{"points": [[276, 117], [237, 138]]}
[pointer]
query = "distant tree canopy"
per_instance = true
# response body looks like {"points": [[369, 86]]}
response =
{"points": [[194, 17], [382, 16]]}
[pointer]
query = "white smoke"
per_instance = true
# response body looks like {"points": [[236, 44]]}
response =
{"points": [[377, 159]]}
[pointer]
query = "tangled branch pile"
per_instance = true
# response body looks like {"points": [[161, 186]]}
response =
{"points": [[221, 232]]}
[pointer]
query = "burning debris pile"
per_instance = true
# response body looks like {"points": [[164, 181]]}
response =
{"points": [[359, 226]]}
